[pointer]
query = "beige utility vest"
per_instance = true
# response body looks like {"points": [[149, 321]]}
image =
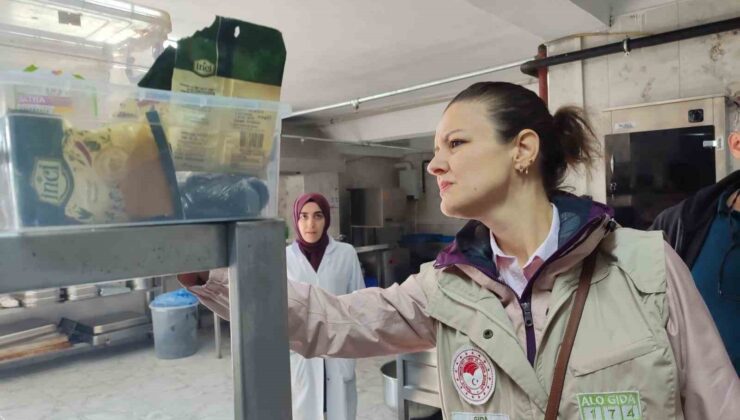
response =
{"points": [[622, 366]]}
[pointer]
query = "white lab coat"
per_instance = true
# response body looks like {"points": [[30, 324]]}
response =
{"points": [[339, 273]]}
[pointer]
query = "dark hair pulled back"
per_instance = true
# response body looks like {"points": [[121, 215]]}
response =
{"points": [[566, 138]]}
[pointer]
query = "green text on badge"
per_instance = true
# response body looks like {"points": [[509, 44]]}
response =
{"points": [[610, 406]]}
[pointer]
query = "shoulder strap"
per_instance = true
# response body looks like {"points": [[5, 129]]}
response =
{"points": [[561, 365]]}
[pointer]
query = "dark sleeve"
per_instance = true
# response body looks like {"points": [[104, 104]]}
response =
{"points": [[668, 221], [709, 385]]}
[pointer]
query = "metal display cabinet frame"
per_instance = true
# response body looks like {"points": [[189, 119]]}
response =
{"points": [[254, 251]]}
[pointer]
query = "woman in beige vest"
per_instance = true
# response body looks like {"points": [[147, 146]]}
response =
{"points": [[496, 303]]}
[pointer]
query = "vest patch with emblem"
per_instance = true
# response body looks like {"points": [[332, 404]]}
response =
{"points": [[610, 406], [473, 375]]}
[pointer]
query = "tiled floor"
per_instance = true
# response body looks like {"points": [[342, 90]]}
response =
{"points": [[131, 384]]}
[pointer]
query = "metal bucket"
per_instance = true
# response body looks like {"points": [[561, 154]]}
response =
{"points": [[390, 384]]}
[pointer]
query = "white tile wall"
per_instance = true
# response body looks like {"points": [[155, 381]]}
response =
{"points": [[646, 75], [696, 12], [701, 66], [709, 64]]}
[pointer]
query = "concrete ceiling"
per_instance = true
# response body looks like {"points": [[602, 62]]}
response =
{"points": [[340, 49]]}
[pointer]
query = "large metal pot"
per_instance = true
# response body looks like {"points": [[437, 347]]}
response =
{"points": [[390, 384]]}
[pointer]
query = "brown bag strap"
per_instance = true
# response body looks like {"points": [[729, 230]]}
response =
{"points": [[558, 378]]}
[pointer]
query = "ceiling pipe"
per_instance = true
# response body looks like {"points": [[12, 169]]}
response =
{"points": [[350, 143], [542, 74], [532, 67], [355, 103]]}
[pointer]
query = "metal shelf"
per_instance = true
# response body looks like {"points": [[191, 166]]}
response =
{"points": [[69, 257], [9, 311], [254, 252]]}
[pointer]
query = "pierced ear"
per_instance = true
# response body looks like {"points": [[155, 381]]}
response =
{"points": [[527, 148], [733, 142]]}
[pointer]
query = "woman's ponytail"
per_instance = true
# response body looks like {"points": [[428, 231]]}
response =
{"points": [[575, 136]]}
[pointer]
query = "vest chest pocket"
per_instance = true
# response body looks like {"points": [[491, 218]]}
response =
{"points": [[603, 360]]}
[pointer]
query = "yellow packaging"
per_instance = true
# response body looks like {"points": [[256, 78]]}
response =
{"points": [[235, 59]]}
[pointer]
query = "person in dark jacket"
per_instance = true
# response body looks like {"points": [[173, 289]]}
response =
{"points": [[705, 231]]}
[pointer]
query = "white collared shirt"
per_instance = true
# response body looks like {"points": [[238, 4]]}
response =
{"points": [[508, 266]]}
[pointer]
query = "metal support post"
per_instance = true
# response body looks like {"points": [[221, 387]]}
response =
{"points": [[402, 405], [217, 334], [259, 326]]}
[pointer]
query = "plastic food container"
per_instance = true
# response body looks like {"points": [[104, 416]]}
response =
{"points": [[104, 40], [120, 155]]}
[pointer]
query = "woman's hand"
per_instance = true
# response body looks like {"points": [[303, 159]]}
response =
{"points": [[193, 279]]}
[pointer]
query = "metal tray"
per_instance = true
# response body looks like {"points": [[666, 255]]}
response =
{"points": [[82, 292], [113, 290], [40, 301], [80, 297], [39, 294], [26, 329], [121, 336], [110, 322], [85, 288]]}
